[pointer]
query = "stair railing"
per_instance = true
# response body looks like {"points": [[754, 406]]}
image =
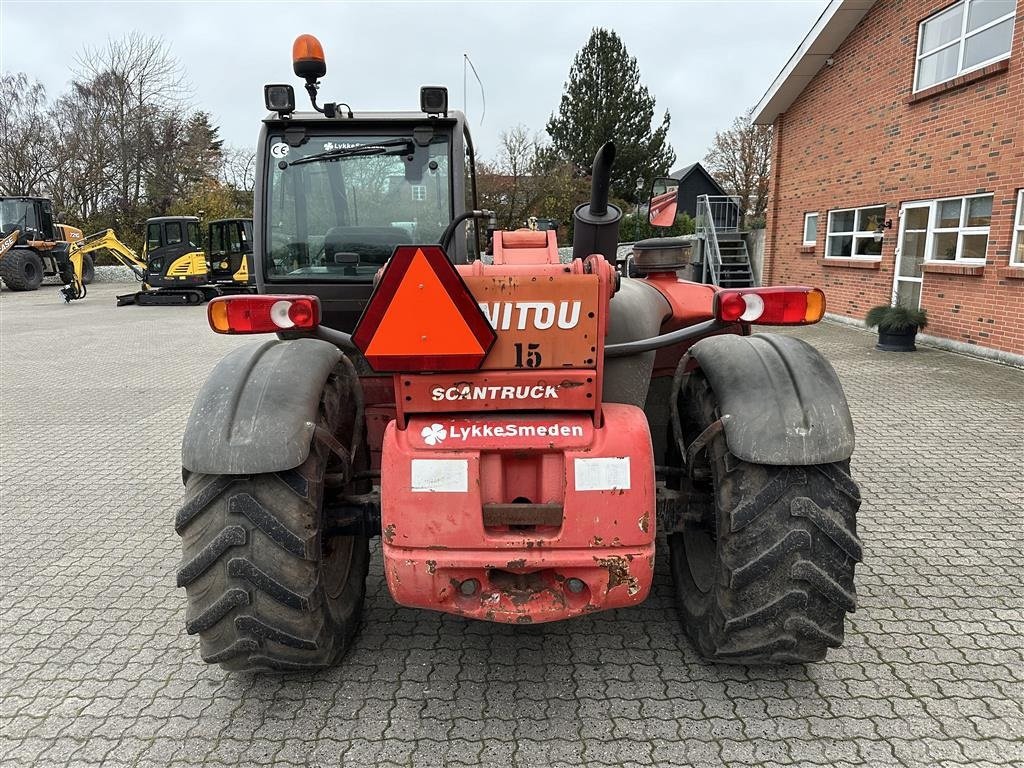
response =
{"points": [[716, 213]]}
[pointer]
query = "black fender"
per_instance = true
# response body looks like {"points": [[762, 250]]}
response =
{"points": [[780, 399], [257, 411]]}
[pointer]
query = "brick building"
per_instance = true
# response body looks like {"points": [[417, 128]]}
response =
{"points": [[898, 165]]}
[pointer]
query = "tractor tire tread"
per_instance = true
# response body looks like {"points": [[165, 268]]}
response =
{"points": [[245, 504], [217, 611], [243, 568], [196, 566], [256, 584], [786, 550]]}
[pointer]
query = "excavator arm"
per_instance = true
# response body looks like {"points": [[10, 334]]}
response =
{"points": [[104, 240]]}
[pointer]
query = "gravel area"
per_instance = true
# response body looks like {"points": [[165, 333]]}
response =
{"points": [[112, 274]]}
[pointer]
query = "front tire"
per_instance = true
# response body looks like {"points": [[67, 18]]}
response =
{"points": [[21, 270], [763, 568], [266, 588]]}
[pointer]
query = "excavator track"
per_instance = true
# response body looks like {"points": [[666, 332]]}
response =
{"points": [[164, 297]]}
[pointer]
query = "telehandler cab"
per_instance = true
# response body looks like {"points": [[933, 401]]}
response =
{"points": [[515, 428]]}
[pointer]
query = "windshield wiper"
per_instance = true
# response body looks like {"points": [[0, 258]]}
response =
{"points": [[389, 147]]}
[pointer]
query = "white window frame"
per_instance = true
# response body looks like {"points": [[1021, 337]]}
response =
{"points": [[961, 41], [1018, 230], [808, 215], [961, 230], [856, 234]]}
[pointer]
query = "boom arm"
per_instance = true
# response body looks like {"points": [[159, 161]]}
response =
{"points": [[104, 240]]}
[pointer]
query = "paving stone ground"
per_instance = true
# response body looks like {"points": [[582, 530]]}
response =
{"points": [[96, 668]]}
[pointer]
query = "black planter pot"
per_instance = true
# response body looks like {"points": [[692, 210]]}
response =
{"points": [[903, 341]]}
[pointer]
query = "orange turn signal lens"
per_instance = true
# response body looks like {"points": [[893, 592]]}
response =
{"points": [[779, 305], [815, 306], [217, 314], [308, 57], [263, 314]]}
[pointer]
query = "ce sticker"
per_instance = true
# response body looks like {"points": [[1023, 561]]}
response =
{"points": [[279, 150]]}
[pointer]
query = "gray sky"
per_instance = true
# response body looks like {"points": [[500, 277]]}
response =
{"points": [[704, 61]]}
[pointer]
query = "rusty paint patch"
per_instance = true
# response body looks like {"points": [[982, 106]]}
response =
{"points": [[645, 522], [524, 619], [597, 541], [521, 563], [431, 567], [437, 546], [389, 533], [619, 574]]}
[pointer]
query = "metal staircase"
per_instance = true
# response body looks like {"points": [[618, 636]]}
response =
{"points": [[734, 270], [726, 260]]}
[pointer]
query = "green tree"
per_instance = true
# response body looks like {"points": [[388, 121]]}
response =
{"points": [[604, 100], [635, 226], [186, 152]]}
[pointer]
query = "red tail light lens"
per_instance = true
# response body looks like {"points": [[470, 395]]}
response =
{"points": [[780, 305], [263, 314]]}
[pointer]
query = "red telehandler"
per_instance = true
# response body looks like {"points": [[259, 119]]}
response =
{"points": [[515, 428]]}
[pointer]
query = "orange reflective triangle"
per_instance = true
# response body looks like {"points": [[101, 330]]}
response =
{"points": [[422, 319]]}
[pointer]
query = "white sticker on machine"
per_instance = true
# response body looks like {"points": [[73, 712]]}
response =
{"points": [[440, 475], [604, 474]]}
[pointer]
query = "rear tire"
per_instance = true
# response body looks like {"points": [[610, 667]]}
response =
{"points": [[88, 270], [266, 589], [21, 270], [766, 576]]}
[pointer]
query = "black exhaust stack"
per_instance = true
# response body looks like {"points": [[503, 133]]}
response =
{"points": [[596, 227]]}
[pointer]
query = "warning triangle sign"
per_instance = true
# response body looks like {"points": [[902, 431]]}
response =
{"points": [[422, 317]]}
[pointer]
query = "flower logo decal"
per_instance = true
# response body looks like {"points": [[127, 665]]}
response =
{"points": [[433, 434]]}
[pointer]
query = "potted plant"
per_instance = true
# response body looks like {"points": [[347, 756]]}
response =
{"points": [[897, 326]]}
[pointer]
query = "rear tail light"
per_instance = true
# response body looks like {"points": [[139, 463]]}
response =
{"points": [[781, 305], [263, 314]]}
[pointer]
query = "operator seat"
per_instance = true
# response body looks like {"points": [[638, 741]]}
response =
{"points": [[373, 244]]}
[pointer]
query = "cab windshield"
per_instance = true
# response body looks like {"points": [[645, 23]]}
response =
{"points": [[339, 215], [17, 214]]}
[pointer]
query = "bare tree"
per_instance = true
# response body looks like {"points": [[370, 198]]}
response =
{"points": [[26, 137], [508, 184], [239, 168], [138, 80], [84, 157], [740, 160]]}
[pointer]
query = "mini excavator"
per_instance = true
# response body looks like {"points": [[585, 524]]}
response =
{"points": [[173, 268]]}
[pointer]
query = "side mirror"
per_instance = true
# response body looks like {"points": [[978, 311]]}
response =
{"points": [[664, 200]]}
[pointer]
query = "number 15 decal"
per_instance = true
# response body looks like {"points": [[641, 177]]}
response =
{"points": [[533, 357]]}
